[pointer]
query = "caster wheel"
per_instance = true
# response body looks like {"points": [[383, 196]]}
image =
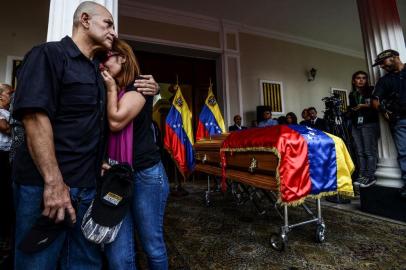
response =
{"points": [[278, 242], [320, 233]]}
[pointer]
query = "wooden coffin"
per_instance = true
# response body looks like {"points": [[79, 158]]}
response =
{"points": [[256, 168]]}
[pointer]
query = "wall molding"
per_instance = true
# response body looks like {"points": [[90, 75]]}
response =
{"points": [[170, 43], [167, 15], [300, 40], [172, 16]]}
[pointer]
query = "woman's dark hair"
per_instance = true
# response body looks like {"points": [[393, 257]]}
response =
{"points": [[366, 84], [304, 112], [293, 116], [282, 120]]}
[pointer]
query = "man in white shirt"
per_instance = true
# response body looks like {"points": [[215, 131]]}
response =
{"points": [[268, 121]]}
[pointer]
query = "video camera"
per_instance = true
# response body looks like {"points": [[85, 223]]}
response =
{"points": [[332, 102]]}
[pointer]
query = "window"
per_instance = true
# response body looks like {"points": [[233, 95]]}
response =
{"points": [[272, 95], [12, 64], [343, 96]]}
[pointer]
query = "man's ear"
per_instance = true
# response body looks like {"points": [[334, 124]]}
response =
{"points": [[84, 20]]}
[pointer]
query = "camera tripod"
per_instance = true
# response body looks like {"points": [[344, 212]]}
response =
{"points": [[337, 127]]}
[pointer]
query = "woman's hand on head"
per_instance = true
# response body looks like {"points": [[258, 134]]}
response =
{"points": [[147, 86], [109, 81]]}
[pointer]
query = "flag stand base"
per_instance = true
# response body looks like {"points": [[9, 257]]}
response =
{"points": [[178, 190], [337, 199]]}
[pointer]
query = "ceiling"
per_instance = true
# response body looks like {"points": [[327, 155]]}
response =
{"points": [[333, 22]]}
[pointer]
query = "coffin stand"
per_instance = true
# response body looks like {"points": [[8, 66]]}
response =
{"points": [[251, 172]]}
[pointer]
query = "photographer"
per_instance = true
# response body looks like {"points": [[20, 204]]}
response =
{"points": [[364, 128], [390, 97]]}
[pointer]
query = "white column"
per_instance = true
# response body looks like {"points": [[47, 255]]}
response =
{"points": [[230, 44], [61, 16], [381, 30]]}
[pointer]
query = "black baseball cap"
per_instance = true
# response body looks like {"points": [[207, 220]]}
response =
{"points": [[44, 232], [114, 194], [383, 55]]}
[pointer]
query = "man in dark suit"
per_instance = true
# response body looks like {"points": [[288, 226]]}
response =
{"points": [[314, 121], [237, 124]]}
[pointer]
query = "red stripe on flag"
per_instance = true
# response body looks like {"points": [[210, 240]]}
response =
{"points": [[201, 131], [176, 148]]}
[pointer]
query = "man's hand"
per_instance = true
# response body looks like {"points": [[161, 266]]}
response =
{"points": [[147, 86], [57, 200], [359, 106], [4, 126], [40, 142], [105, 167]]}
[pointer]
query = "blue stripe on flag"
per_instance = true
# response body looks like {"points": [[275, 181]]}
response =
{"points": [[322, 159], [174, 120], [209, 121]]}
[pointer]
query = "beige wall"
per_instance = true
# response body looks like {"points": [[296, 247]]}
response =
{"points": [[261, 58], [24, 24], [157, 30], [269, 59]]}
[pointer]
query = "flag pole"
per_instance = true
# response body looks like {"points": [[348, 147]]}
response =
{"points": [[178, 190], [210, 86]]}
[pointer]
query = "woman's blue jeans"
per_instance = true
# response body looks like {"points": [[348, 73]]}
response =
{"points": [[151, 191]]}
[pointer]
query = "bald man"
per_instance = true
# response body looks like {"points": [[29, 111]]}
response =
{"points": [[237, 124], [61, 100]]}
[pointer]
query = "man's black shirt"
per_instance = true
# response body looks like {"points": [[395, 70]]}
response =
{"points": [[57, 79], [392, 83], [235, 128]]}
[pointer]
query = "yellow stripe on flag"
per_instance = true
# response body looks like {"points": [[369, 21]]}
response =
{"points": [[180, 104], [212, 104], [345, 167]]}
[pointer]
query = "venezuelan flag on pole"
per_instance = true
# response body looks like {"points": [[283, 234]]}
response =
{"points": [[179, 134], [210, 119]]}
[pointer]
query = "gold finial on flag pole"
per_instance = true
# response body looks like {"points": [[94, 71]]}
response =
{"points": [[210, 83], [177, 83]]}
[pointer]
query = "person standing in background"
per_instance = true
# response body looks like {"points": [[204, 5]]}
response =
{"points": [[305, 116], [267, 119], [237, 124], [6, 199], [389, 96], [364, 128], [291, 118], [314, 121]]}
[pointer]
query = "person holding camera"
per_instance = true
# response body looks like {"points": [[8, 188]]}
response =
{"points": [[390, 98], [364, 128]]}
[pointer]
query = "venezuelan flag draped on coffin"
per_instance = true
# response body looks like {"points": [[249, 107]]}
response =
{"points": [[311, 163]]}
